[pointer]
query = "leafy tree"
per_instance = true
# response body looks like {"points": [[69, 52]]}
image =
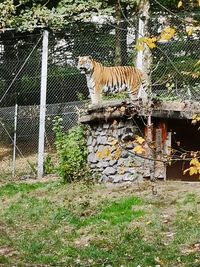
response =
{"points": [[28, 14]]}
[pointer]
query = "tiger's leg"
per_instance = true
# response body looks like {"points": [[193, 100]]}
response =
{"points": [[96, 95], [131, 93], [139, 95]]}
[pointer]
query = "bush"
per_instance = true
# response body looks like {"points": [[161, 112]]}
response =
{"points": [[72, 151]]}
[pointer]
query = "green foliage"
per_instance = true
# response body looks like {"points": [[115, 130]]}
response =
{"points": [[48, 165], [119, 95], [117, 212], [72, 151], [26, 15], [11, 189]]}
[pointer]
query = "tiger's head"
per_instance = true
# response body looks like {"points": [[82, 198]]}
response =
{"points": [[85, 64]]}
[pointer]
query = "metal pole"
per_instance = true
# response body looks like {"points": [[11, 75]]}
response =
{"points": [[43, 103], [140, 53], [14, 141]]}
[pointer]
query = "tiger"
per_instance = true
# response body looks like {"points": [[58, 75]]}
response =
{"points": [[110, 79]]}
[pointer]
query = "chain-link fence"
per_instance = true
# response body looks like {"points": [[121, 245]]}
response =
{"points": [[175, 75]]}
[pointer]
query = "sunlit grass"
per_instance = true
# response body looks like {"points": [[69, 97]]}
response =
{"points": [[76, 225]]}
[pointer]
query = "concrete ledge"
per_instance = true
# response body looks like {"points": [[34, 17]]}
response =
{"points": [[109, 110]]}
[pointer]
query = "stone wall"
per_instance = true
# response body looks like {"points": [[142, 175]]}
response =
{"points": [[113, 126], [110, 146]]}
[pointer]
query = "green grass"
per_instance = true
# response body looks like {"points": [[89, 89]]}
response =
{"points": [[117, 212], [75, 225], [11, 189]]}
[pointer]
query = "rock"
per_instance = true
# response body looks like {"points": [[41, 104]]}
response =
{"points": [[92, 166], [109, 171], [114, 133], [117, 178], [102, 164], [102, 140], [127, 137], [128, 177], [124, 154], [135, 176], [93, 133], [120, 124], [90, 149], [89, 141], [92, 158], [121, 162], [102, 133], [104, 178], [120, 132], [132, 170], [100, 148], [99, 128], [106, 125], [130, 145], [112, 162], [94, 142], [25, 177]]}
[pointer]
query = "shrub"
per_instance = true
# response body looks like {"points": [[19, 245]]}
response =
{"points": [[48, 165], [71, 150]]}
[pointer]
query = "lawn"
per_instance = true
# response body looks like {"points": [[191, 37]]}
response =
{"points": [[53, 224]]}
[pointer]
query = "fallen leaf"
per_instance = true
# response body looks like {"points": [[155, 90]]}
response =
{"points": [[138, 149], [122, 109], [180, 4], [149, 222]]}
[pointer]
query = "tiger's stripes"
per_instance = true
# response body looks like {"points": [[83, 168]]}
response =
{"points": [[114, 79]]}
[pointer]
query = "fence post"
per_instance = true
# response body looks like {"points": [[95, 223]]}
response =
{"points": [[43, 89], [14, 141]]}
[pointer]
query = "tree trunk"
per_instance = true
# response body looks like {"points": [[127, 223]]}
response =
{"points": [[144, 57], [144, 62]]}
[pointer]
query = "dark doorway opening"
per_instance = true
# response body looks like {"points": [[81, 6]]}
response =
{"points": [[185, 137]]}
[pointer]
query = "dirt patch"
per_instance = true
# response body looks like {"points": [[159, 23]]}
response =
{"points": [[7, 251]]}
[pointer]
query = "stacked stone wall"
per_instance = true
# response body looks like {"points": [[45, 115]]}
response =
{"points": [[110, 146]]}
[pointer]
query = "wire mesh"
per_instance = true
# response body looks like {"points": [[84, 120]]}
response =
{"points": [[175, 75], [176, 69]]}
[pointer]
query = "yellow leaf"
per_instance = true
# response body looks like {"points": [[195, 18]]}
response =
{"points": [[122, 109], [139, 140], [104, 153], [193, 170], [199, 3], [149, 222], [138, 149], [159, 261], [198, 62], [195, 162], [195, 75], [150, 42], [151, 45], [117, 153], [194, 115], [167, 34], [139, 47], [154, 39], [114, 142], [180, 4], [190, 31]]}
